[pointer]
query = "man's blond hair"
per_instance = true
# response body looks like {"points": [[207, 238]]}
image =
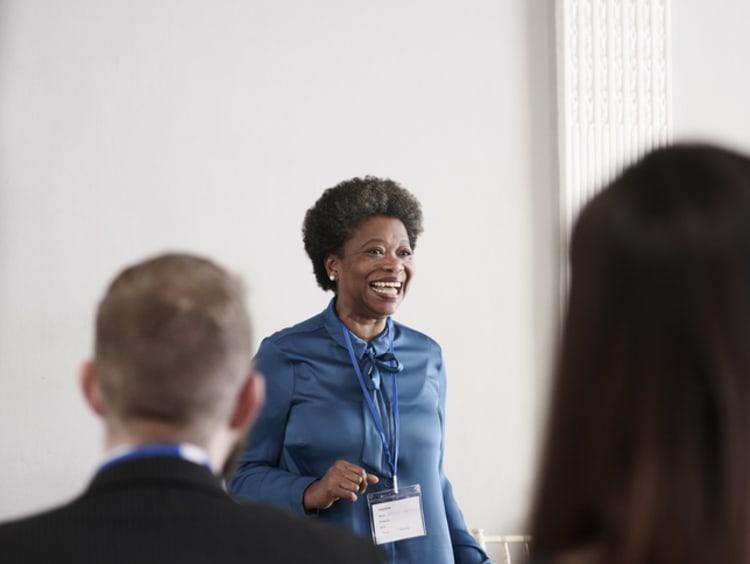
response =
{"points": [[173, 343]]}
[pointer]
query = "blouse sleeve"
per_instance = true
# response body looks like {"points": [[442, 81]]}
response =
{"points": [[466, 550], [259, 476]]}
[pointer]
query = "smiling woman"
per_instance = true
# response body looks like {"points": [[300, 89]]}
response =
{"points": [[372, 273], [353, 429]]}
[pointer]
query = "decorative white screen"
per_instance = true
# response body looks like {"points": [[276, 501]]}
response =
{"points": [[614, 92]]}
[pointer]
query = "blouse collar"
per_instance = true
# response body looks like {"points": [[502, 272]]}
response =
{"points": [[333, 326]]}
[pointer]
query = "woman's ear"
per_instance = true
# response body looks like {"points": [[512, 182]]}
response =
{"points": [[331, 263], [90, 387]]}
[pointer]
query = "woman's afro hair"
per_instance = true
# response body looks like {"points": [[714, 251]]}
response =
{"points": [[338, 211]]}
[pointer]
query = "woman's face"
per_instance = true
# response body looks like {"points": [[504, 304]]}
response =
{"points": [[373, 269]]}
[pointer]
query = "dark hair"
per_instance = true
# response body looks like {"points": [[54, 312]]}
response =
{"points": [[646, 454], [173, 342], [338, 211]]}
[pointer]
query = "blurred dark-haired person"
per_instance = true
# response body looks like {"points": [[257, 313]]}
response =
{"points": [[353, 430], [646, 457], [172, 379]]}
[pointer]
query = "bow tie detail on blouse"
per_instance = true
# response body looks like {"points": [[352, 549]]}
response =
{"points": [[375, 363]]}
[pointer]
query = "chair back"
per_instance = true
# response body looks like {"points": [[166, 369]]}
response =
{"points": [[515, 548]]}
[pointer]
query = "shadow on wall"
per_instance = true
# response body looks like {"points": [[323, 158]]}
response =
{"points": [[545, 188]]}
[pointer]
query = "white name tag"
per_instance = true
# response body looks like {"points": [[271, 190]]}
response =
{"points": [[396, 516]]}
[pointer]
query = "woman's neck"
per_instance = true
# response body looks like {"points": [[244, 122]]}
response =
{"points": [[366, 328]]}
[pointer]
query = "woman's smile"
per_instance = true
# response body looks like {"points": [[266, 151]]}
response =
{"points": [[387, 288]]}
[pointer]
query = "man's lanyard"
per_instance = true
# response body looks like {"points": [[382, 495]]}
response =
{"points": [[392, 459], [185, 451]]}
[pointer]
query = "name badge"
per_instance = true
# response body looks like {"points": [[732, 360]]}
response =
{"points": [[396, 514]]}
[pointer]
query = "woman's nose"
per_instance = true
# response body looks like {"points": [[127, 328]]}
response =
{"points": [[395, 264]]}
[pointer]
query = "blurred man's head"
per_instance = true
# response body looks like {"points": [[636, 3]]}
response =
{"points": [[173, 352]]}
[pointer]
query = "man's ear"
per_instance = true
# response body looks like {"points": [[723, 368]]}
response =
{"points": [[90, 387], [250, 401]]}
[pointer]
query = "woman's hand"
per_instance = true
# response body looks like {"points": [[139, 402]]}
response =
{"points": [[343, 480]]}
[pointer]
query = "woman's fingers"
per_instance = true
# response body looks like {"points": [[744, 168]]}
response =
{"points": [[366, 481], [369, 479], [343, 480], [347, 477], [352, 479]]}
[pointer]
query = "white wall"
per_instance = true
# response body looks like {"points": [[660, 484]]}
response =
{"points": [[129, 128], [710, 80]]}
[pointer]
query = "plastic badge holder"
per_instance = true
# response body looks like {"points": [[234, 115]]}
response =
{"points": [[396, 514]]}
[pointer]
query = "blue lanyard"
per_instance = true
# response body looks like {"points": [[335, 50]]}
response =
{"points": [[174, 450], [392, 460]]}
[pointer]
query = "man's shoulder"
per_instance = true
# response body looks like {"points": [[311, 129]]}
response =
{"points": [[283, 536], [22, 538], [86, 531], [42, 518]]}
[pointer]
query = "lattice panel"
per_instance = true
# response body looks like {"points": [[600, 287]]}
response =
{"points": [[614, 91]]}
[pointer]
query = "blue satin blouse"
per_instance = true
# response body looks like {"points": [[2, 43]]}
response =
{"points": [[315, 414]]}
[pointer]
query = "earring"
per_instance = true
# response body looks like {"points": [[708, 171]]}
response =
{"points": [[332, 278]]}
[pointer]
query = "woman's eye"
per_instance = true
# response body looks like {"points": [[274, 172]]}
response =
{"points": [[405, 253], [376, 251]]}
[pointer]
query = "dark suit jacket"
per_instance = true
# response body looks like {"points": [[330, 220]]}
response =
{"points": [[164, 510]]}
